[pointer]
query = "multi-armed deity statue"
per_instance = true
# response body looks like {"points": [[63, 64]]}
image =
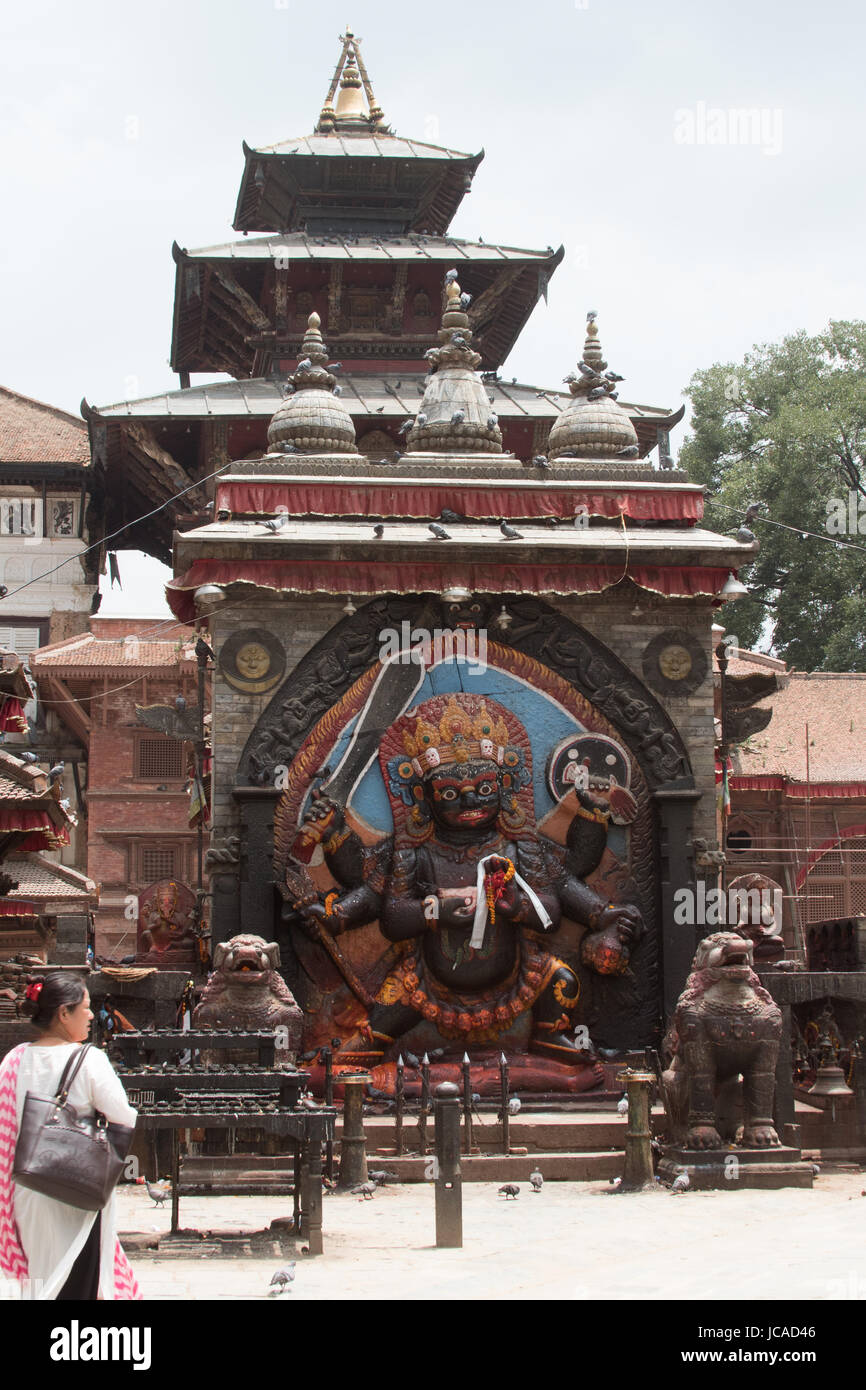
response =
{"points": [[466, 887]]}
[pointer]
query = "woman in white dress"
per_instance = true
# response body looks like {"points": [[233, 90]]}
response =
{"points": [[53, 1250]]}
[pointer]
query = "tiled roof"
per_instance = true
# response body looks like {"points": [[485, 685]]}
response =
{"points": [[339, 144], [834, 707], [299, 246], [374, 394], [89, 652], [23, 779], [33, 432], [12, 791], [39, 878]]}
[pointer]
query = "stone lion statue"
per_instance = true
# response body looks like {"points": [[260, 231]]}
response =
{"points": [[246, 990], [723, 1042]]}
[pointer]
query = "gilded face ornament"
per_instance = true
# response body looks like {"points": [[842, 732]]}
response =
{"points": [[675, 662], [252, 661]]}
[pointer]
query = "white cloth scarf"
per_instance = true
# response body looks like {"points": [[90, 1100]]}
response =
{"points": [[480, 921]]}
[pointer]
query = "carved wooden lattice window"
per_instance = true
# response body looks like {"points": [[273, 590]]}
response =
{"points": [[159, 758], [835, 886], [158, 861]]}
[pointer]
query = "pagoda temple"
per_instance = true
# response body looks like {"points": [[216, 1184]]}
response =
{"points": [[352, 221], [462, 726]]}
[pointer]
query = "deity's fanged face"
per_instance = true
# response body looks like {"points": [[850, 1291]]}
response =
{"points": [[464, 796]]}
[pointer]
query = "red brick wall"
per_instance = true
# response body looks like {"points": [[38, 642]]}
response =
{"points": [[125, 813]]}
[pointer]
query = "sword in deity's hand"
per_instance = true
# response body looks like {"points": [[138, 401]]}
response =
{"points": [[302, 893], [395, 687]]}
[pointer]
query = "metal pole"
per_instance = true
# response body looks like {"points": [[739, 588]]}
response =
{"points": [[313, 1195], [425, 1103], [467, 1104], [448, 1178], [638, 1171], [199, 772], [175, 1180], [503, 1091], [398, 1107], [328, 1060], [353, 1146]]}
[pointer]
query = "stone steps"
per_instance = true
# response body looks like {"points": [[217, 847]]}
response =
{"points": [[252, 1173]]}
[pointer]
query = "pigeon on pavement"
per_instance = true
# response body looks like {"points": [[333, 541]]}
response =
{"points": [[281, 1280]]}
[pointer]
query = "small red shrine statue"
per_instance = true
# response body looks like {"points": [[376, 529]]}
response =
{"points": [[165, 925]]}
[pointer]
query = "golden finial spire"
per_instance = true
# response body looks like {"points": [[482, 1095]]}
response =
{"points": [[350, 75]]}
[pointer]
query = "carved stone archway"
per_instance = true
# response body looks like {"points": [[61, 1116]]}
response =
{"points": [[538, 630]]}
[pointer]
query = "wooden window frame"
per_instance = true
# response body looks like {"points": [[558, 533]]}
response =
{"points": [[142, 737]]}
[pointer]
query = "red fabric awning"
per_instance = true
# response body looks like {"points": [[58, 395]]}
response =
{"points": [[19, 908], [361, 497], [801, 791], [40, 830], [12, 717], [362, 578]]}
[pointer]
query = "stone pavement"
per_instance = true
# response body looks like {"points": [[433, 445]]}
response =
{"points": [[572, 1240]]}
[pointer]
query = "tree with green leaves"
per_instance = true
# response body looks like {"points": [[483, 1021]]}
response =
{"points": [[787, 429]]}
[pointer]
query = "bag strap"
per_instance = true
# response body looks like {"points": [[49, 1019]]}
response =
{"points": [[68, 1076]]}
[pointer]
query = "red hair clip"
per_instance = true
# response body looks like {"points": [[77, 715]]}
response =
{"points": [[33, 991]]}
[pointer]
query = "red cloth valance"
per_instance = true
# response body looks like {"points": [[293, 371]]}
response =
{"points": [[19, 908], [361, 578], [800, 791], [42, 832], [360, 497]]}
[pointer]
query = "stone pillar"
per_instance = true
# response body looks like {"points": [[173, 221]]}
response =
{"points": [[70, 946], [638, 1171], [448, 1179], [677, 870], [353, 1145], [311, 1196], [255, 905]]}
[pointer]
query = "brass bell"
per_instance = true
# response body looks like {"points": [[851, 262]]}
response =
{"points": [[829, 1078], [830, 1081]]}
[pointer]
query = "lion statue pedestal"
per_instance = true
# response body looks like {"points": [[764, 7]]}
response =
{"points": [[723, 1042], [245, 990]]}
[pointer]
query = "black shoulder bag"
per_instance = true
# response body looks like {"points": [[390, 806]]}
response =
{"points": [[74, 1159]]}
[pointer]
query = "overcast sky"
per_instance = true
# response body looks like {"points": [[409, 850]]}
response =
{"points": [[606, 128]]}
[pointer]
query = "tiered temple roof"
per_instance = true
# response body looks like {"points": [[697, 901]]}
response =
{"points": [[452, 511], [356, 218]]}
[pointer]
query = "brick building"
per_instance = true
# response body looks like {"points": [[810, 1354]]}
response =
{"points": [[798, 795], [44, 522], [133, 795]]}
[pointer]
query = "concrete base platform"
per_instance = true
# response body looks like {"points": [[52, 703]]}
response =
{"points": [[723, 1169], [278, 1240]]}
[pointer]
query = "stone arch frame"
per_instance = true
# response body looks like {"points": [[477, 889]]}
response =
{"points": [[539, 630]]}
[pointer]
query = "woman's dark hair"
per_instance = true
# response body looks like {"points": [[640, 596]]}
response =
{"points": [[58, 989]]}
